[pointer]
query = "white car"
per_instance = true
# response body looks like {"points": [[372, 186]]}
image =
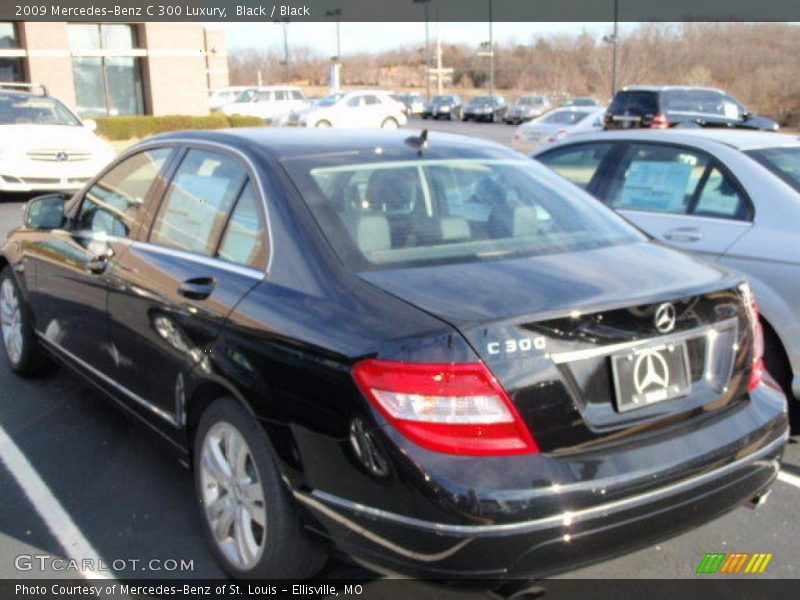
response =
{"points": [[269, 103], [362, 109], [557, 125], [44, 146], [219, 97]]}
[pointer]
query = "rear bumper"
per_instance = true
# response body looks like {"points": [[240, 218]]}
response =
{"points": [[542, 541]]}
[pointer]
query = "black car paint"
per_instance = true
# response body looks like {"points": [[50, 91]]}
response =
{"points": [[643, 116], [283, 343]]}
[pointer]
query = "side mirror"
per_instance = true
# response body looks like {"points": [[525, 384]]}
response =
{"points": [[746, 115], [90, 124], [46, 212]]}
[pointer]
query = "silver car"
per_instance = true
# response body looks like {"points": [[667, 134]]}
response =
{"points": [[557, 125], [527, 108], [732, 196]]}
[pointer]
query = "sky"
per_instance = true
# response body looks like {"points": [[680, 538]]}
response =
{"points": [[375, 37]]}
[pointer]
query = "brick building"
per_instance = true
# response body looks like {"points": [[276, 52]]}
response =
{"points": [[118, 68]]}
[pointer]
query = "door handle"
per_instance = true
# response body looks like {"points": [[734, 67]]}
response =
{"points": [[684, 234], [198, 288]]}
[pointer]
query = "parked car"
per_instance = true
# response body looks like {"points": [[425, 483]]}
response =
{"points": [[527, 108], [437, 357], [731, 196], [485, 108], [448, 106], [219, 97], [662, 107], [360, 109], [414, 103], [556, 126], [269, 103], [43, 145], [581, 101]]}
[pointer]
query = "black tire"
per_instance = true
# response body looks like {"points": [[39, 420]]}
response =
{"points": [[288, 552], [33, 360], [425, 116], [778, 366]]}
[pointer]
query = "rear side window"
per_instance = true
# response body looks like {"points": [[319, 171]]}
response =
{"points": [[196, 206], [577, 163], [281, 95], [245, 239], [638, 103], [677, 180], [114, 204], [297, 95], [371, 100]]}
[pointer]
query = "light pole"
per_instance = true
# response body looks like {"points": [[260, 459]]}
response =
{"points": [[427, 48], [336, 13], [284, 23], [491, 52], [613, 39]]}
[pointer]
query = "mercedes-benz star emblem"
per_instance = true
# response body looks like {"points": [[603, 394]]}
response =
{"points": [[650, 370], [665, 317], [62, 156]]}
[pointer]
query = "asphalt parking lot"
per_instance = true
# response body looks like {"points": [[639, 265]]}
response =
{"points": [[110, 489]]}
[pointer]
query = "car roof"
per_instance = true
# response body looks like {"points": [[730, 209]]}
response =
{"points": [[291, 143], [664, 88], [268, 88], [739, 139]]}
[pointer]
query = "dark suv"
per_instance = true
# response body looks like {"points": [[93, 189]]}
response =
{"points": [[661, 107]]}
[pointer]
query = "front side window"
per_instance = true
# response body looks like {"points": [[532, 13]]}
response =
{"points": [[576, 163], [114, 204], [382, 213], [354, 102], [198, 201]]}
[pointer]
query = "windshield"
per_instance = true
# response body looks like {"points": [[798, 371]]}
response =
{"points": [[330, 100], [483, 100], [565, 117], [441, 99], [530, 100], [394, 213], [29, 110], [784, 162]]}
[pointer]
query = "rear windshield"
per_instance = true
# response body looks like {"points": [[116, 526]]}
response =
{"points": [[638, 103], [386, 214], [784, 162], [565, 117]]}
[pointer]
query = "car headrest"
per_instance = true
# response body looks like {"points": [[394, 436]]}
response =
{"points": [[392, 190], [454, 228], [525, 222], [369, 230]]}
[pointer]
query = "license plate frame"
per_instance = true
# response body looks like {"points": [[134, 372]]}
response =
{"points": [[650, 375]]}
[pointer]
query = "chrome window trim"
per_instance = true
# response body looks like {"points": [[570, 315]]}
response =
{"points": [[682, 336], [182, 143], [564, 519], [171, 419], [201, 259]]}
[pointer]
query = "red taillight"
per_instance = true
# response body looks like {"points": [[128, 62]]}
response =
{"points": [[659, 121], [456, 409], [757, 369], [560, 135]]}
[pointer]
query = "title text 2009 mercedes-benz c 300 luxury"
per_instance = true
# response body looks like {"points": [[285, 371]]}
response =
{"points": [[429, 354]]}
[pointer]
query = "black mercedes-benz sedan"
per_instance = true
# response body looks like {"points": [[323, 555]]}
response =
{"points": [[429, 354]]}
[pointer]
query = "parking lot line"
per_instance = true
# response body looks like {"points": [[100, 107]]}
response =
{"points": [[789, 478], [61, 525]]}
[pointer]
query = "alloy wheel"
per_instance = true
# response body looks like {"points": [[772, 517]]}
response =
{"points": [[11, 321], [233, 496]]}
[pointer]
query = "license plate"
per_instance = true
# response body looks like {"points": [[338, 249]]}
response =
{"points": [[650, 375]]}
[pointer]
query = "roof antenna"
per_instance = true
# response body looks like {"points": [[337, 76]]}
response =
{"points": [[420, 142]]}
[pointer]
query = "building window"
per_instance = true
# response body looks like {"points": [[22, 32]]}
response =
{"points": [[11, 65], [106, 81], [8, 35]]}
